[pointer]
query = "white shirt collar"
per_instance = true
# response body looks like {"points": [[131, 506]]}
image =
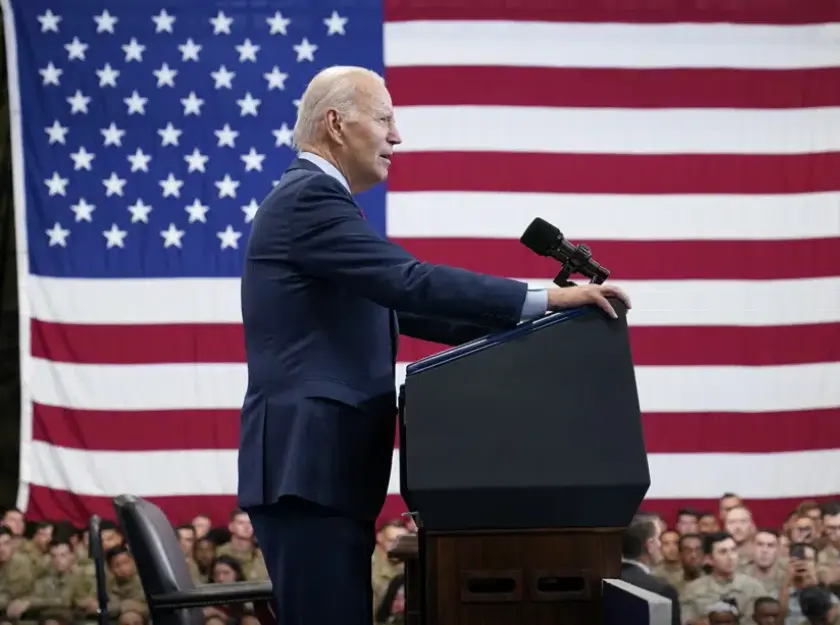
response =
{"points": [[327, 167], [641, 565]]}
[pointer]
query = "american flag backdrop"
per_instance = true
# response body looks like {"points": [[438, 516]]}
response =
{"points": [[695, 146]]}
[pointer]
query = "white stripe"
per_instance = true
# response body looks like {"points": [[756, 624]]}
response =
{"points": [[545, 130], [214, 472], [540, 44], [667, 302], [661, 389], [590, 217]]}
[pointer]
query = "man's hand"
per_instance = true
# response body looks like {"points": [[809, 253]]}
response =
{"points": [[575, 296]]}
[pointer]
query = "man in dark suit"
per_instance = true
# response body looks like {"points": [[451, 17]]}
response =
{"points": [[324, 299], [640, 550]]}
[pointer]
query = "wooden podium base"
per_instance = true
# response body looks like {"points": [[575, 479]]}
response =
{"points": [[533, 577]]}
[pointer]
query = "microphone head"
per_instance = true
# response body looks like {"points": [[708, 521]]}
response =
{"points": [[540, 237]]}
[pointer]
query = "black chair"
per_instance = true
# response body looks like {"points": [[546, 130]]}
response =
{"points": [[171, 595], [98, 559]]}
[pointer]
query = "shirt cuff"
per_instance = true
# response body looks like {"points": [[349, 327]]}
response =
{"points": [[535, 305]]}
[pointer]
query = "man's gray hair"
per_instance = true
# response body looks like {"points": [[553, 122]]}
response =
{"points": [[334, 87]]}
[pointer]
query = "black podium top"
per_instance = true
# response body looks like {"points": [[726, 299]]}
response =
{"points": [[535, 427]]}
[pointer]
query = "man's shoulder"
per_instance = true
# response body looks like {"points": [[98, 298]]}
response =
{"points": [[748, 583]]}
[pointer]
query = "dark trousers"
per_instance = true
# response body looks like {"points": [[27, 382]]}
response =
{"points": [[319, 562]]}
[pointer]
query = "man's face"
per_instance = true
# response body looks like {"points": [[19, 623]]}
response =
{"points": [[122, 565], [111, 539], [62, 558], [691, 554], [802, 530], [766, 550], [670, 550], [388, 537], [370, 135], [766, 614], [831, 527], [739, 524], [687, 524], [186, 540], [6, 547], [14, 521], [726, 504], [241, 527], [43, 536], [708, 524], [202, 525], [724, 558], [654, 547]]}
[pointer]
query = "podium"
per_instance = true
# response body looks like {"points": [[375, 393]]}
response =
{"points": [[522, 459]]}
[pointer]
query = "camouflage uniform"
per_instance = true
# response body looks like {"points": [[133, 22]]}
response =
{"points": [[40, 560], [16, 579], [253, 564], [828, 565], [54, 594], [700, 594], [670, 573], [772, 581], [126, 595]]}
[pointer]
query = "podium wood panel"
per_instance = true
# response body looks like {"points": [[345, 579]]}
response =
{"points": [[532, 577]]}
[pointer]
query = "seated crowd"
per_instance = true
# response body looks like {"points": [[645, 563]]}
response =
{"points": [[723, 568]]}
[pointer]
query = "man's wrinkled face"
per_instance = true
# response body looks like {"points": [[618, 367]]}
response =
{"points": [[766, 550], [370, 135]]}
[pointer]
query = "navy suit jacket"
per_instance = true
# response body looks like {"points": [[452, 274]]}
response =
{"points": [[324, 299], [632, 574]]}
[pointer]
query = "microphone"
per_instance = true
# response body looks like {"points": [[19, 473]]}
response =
{"points": [[546, 239]]}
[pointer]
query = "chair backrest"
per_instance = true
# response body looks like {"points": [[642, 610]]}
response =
{"points": [[160, 561], [98, 559]]}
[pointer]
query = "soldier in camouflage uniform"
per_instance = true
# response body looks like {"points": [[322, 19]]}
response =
{"points": [[53, 594], [16, 575], [723, 583], [38, 548], [828, 560], [126, 600], [385, 569], [670, 570], [241, 547], [767, 567]]}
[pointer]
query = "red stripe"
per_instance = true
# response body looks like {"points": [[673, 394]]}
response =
{"points": [[708, 345], [48, 504], [657, 345], [175, 430], [615, 173], [645, 260], [781, 12], [610, 88]]}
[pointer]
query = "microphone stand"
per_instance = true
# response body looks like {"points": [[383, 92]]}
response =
{"points": [[577, 262]]}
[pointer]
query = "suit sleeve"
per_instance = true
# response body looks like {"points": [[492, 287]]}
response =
{"points": [[331, 240], [445, 331]]}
